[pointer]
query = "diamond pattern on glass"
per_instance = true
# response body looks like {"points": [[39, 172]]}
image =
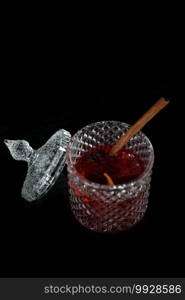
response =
{"points": [[108, 208], [44, 164]]}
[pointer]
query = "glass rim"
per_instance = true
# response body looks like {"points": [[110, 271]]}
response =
{"points": [[104, 186]]}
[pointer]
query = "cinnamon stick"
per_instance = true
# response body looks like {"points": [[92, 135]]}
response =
{"points": [[153, 110]]}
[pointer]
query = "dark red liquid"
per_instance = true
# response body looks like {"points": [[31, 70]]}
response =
{"points": [[96, 210], [123, 167]]}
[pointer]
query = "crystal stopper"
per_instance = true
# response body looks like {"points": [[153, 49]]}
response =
{"points": [[44, 164]]}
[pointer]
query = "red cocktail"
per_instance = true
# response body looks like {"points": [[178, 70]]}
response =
{"points": [[123, 167], [96, 204]]}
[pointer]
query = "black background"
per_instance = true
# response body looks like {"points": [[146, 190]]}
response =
{"points": [[44, 89]]}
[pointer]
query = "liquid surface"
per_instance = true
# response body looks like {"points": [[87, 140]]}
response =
{"points": [[123, 167]]}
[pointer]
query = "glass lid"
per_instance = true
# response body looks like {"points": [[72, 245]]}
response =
{"points": [[44, 164]]}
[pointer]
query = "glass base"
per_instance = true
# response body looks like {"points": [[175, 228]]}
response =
{"points": [[101, 216]]}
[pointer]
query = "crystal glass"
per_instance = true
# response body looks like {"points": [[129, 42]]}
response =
{"points": [[105, 208]]}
